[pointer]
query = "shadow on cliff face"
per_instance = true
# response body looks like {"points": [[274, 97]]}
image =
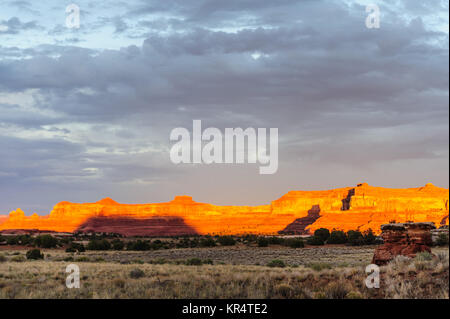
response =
{"points": [[128, 226], [299, 225], [346, 201], [444, 221]]}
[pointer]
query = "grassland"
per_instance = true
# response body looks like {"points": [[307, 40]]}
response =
{"points": [[236, 272]]}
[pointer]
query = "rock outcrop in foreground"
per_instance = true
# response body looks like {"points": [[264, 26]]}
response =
{"points": [[361, 207], [405, 239]]}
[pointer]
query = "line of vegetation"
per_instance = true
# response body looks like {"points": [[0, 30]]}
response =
{"points": [[79, 244]]}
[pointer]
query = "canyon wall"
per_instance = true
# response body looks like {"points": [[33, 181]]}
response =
{"points": [[361, 207]]}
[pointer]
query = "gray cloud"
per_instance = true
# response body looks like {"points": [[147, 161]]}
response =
{"points": [[351, 103], [14, 26]]}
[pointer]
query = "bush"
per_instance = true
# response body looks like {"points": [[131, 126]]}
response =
{"points": [[74, 247], [355, 238], [137, 273], [322, 233], [276, 263], [337, 237], [250, 238], [319, 266], [315, 241], [2, 259], [263, 242], [442, 240], [295, 243], [424, 256], [207, 242], [226, 241], [117, 244], [46, 241], [369, 237], [34, 254], [276, 240], [99, 244], [12, 240], [139, 245]]}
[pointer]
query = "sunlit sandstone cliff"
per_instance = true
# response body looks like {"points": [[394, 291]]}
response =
{"points": [[361, 207]]}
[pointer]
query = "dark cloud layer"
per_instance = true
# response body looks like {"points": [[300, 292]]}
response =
{"points": [[352, 104]]}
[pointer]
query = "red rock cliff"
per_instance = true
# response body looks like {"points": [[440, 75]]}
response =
{"points": [[360, 207]]}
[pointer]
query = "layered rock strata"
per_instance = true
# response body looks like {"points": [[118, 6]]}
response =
{"points": [[406, 239], [359, 208]]}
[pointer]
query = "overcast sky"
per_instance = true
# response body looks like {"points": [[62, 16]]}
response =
{"points": [[86, 113]]}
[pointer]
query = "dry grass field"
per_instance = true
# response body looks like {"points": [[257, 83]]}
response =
{"points": [[234, 255], [322, 272]]}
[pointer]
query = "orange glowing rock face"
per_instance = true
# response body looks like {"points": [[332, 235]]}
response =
{"points": [[360, 207]]}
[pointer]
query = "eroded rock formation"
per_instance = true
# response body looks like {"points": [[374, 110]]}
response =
{"points": [[405, 239], [361, 207]]}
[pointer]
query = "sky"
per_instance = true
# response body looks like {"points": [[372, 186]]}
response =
{"points": [[86, 113]]}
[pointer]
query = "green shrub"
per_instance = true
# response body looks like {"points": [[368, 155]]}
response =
{"points": [[34, 254], [276, 263], [117, 244], [276, 240], [99, 244], [207, 242], [263, 242], [337, 237], [315, 241], [3, 259], [424, 256], [46, 241], [74, 247], [12, 240], [322, 233], [295, 243], [136, 273], [369, 237], [319, 266], [355, 238], [139, 245], [226, 241], [442, 240]]}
